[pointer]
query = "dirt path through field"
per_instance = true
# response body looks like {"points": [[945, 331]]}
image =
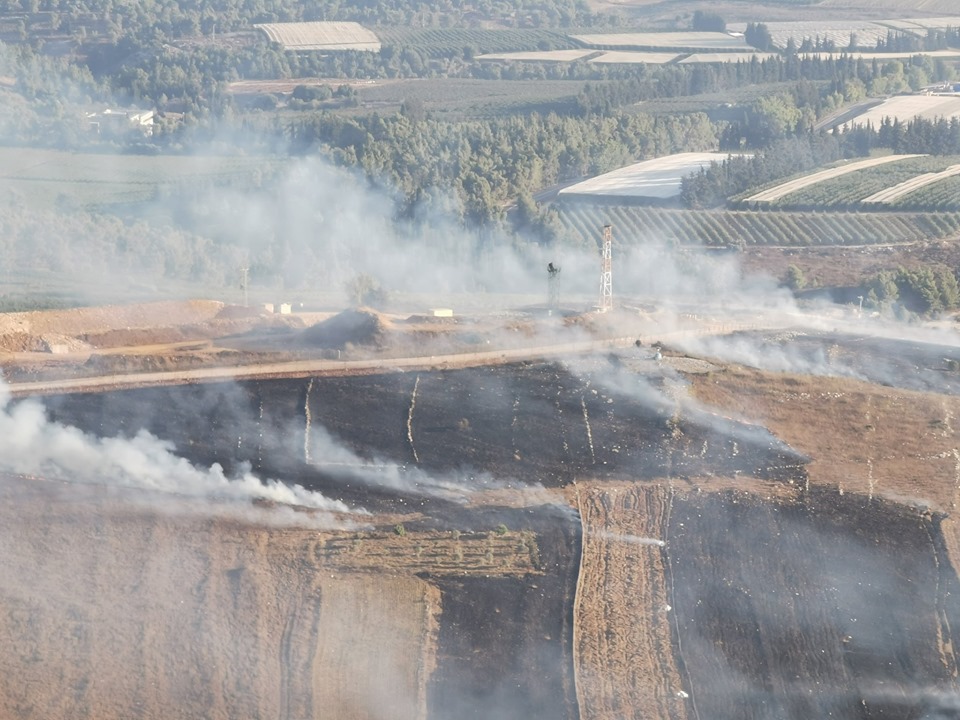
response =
{"points": [[622, 644]]}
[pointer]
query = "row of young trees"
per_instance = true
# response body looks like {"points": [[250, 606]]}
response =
{"points": [[714, 184]]}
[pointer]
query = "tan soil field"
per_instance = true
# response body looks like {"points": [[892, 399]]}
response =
{"points": [[112, 609], [906, 107], [623, 649], [863, 438]]}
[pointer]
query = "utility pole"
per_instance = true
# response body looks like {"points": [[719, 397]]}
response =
{"points": [[553, 287], [606, 270], [244, 282]]}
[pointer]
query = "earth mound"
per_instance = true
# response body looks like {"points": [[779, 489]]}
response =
{"points": [[357, 326]]}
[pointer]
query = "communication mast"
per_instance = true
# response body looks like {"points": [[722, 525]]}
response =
{"points": [[553, 286], [244, 282], [606, 270]]}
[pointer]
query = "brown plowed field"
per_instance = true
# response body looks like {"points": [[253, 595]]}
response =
{"points": [[112, 610], [623, 647]]}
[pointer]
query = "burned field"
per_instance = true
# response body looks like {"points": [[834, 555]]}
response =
{"points": [[602, 538]]}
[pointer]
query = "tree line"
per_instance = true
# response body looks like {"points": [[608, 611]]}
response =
{"points": [[488, 164]]}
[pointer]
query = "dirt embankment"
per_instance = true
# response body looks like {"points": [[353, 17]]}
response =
{"points": [[94, 320]]}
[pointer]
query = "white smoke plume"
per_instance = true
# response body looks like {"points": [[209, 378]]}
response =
{"points": [[32, 444], [629, 539]]}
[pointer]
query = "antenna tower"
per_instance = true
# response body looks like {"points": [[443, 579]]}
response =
{"points": [[244, 282], [553, 286], [606, 270]]}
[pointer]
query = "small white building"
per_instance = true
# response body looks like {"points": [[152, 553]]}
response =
{"points": [[118, 122]]}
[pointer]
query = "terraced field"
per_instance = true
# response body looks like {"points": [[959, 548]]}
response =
{"points": [[912, 182], [637, 224], [778, 192]]}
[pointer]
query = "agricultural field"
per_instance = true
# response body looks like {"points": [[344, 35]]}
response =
{"points": [[697, 58], [838, 32], [463, 98], [942, 54], [719, 105], [542, 56], [658, 179], [622, 57], [48, 178], [940, 196], [792, 187], [638, 224], [908, 107], [912, 185], [437, 42], [665, 40], [920, 182], [321, 36]]}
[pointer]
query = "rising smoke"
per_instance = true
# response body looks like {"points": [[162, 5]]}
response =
{"points": [[32, 444]]}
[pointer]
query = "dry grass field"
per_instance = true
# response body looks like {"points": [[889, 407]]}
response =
{"points": [[116, 609], [623, 649], [863, 438]]}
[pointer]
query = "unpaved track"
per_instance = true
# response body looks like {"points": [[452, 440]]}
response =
{"points": [[321, 368], [303, 368]]}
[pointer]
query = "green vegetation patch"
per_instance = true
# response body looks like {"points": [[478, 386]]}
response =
{"points": [[460, 99], [941, 196], [45, 178], [737, 228], [437, 42]]}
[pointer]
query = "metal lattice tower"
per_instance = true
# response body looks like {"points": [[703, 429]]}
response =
{"points": [[606, 270], [553, 286], [244, 283]]}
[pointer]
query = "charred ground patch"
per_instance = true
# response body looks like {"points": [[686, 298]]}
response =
{"points": [[542, 423], [786, 609]]}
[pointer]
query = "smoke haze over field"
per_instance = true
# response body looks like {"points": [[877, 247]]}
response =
{"points": [[31, 444]]}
